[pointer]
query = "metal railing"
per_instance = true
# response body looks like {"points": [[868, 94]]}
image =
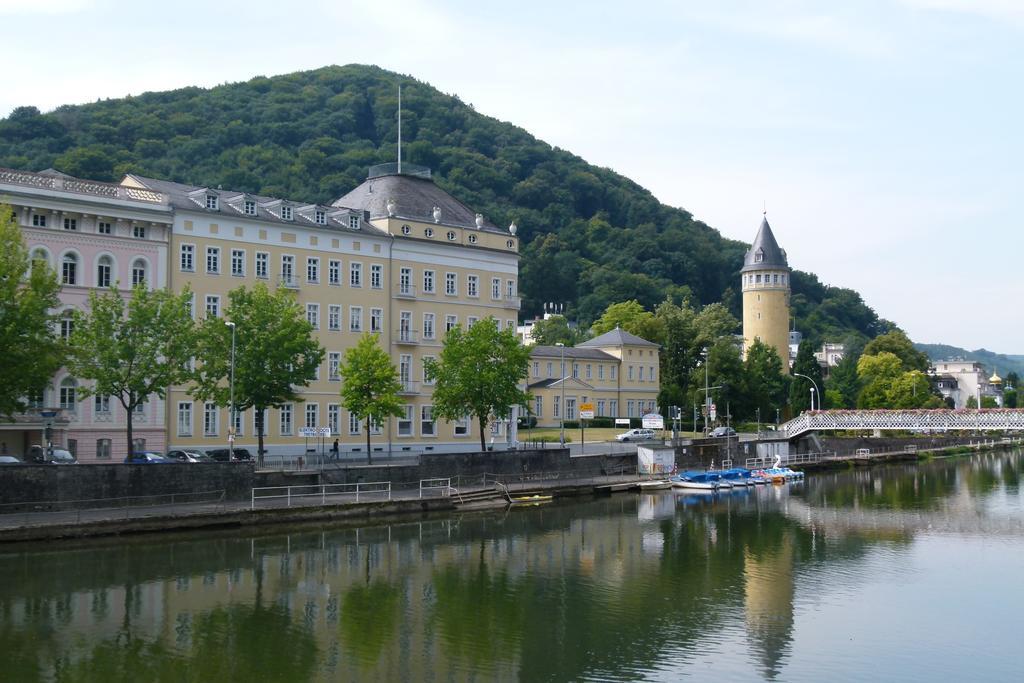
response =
{"points": [[439, 484], [322, 494], [794, 459], [102, 509]]}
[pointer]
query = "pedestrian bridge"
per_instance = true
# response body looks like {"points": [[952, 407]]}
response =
{"points": [[942, 420]]}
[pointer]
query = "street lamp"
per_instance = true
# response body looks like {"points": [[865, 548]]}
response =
{"points": [[707, 402], [231, 410], [811, 380], [561, 406]]}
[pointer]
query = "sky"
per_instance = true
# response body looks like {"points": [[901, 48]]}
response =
{"points": [[882, 136]]}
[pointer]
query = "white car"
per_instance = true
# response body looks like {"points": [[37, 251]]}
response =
{"points": [[636, 435]]}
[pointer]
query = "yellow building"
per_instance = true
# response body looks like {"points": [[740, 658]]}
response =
{"points": [[765, 280], [397, 256], [616, 371]]}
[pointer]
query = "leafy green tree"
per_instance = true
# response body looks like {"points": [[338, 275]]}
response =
{"points": [[972, 402], [478, 374], [633, 318], [1010, 398], [556, 330], [275, 353], [725, 371], [912, 389], [132, 351], [765, 380], [800, 388], [370, 384], [843, 383], [29, 346], [878, 372], [897, 343]]}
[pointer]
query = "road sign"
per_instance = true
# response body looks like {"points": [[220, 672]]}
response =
{"points": [[586, 411], [622, 422], [308, 432], [713, 411], [653, 421]]}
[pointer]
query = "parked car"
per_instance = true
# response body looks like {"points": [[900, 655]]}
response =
{"points": [[9, 460], [53, 455], [636, 435], [722, 431], [224, 454], [188, 456], [147, 458]]}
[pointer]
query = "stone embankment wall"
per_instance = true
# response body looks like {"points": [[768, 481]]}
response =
{"points": [[886, 444]]}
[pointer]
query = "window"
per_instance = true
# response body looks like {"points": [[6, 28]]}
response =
{"points": [[376, 275], [355, 274], [600, 408], [428, 325], [630, 373], [211, 202], [471, 320], [213, 259], [570, 408], [238, 263], [650, 374], [138, 272], [239, 421], [187, 260], [450, 321], [312, 269], [333, 361], [405, 281], [614, 372], [334, 272], [462, 427], [312, 414], [511, 288], [630, 408], [589, 371], [405, 421], [472, 285], [556, 407], [428, 281], [103, 449], [376, 319], [262, 264], [104, 227], [451, 284], [405, 370], [71, 224], [354, 426], [101, 404], [104, 271], [334, 317], [575, 370], [287, 269], [600, 371], [67, 325], [353, 222], [427, 425], [39, 220], [536, 368], [210, 415], [69, 269], [190, 306], [285, 425], [139, 232], [286, 213], [333, 412], [613, 408], [538, 406], [68, 387], [212, 305], [426, 375], [495, 288], [249, 207], [320, 217], [641, 374], [355, 318], [313, 315]]}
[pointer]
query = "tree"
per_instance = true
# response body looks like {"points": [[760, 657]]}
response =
{"points": [[878, 372], [370, 384], [725, 371], [800, 388], [29, 346], [844, 382], [478, 374], [275, 353], [765, 379], [132, 351], [556, 330], [632, 317], [897, 343]]}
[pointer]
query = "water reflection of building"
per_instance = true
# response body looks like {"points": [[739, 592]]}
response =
{"points": [[768, 602]]}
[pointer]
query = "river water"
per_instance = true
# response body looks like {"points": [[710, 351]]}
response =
{"points": [[896, 573]]}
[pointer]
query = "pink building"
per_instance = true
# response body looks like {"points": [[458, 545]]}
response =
{"points": [[94, 235]]}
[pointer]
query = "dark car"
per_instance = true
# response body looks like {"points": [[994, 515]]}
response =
{"points": [[146, 458], [188, 456], [224, 454], [51, 455], [9, 460], [723, 431]]}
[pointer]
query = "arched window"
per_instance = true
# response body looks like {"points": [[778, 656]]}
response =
{"points": [[104, 271], [67, 325], [39, 255], [67, 393], [69, 269], [138, 272]]}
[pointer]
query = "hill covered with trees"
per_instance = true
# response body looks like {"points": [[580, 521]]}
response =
{"points": [[591, 237]]}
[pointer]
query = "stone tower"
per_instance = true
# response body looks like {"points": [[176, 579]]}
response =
{"points": [[765, 276]]}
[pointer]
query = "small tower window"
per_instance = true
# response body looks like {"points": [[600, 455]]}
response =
{"points": [[211, 202], [759, 256]]}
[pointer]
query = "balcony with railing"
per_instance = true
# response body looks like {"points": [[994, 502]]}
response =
{"points": [[405, 291], [407, 337], [409, 388], [288, 280], [79, 186], [512, 302]]}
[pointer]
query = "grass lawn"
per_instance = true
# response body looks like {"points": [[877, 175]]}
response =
{"points": [[573, 435]]}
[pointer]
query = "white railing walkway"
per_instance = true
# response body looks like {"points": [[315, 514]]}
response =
{"points": [[314, 494], [442, 486], [941, 420]]}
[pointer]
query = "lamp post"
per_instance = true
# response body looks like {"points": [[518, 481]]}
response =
{"points": [[561, 405], [231, 410], [811, 380], [707, 401]]}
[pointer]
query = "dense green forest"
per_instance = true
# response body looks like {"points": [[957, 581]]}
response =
{"points": [[591, 237]]}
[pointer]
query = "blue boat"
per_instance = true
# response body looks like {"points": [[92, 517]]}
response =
{"points": [[737, 476], [707, 481]]}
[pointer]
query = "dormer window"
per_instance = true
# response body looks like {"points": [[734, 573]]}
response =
{"points": [[249, 207], [758, 256], [353, 222], [286, 213], [211, 202], [321, 217]]}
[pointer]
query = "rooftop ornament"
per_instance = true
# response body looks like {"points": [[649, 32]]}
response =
{"points": [[437, 214], [391, 207], [479, 221], [512, 227]]}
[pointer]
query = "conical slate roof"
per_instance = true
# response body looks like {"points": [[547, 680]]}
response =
{"points": [[771, 255]]}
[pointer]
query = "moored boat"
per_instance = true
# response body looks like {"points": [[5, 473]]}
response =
{"points": [[708, 481]]}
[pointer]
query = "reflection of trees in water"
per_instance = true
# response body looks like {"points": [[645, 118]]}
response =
{"points": [[369, 617]]}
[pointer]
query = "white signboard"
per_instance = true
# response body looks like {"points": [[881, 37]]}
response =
{"points": [[622, 422], [311, 432], [655, 460], [653, 421]]}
